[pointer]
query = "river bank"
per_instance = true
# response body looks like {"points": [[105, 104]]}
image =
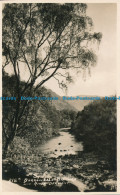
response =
{"points": [[61, 164], [81, 172]]}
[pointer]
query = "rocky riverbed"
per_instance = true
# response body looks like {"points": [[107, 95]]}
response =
{"points": [[61, 164], [82, 172]]}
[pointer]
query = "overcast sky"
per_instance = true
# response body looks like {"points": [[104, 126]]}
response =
{"points": [[103, 77]]}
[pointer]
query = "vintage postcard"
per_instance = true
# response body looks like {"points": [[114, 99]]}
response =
{"points": [[60, 95]]}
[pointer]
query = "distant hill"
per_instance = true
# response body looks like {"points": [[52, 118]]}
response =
{"points": [[61, 104], [79, 104], [76, 105]]}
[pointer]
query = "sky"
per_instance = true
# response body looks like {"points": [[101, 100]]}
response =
{"points": [[102, 81]]}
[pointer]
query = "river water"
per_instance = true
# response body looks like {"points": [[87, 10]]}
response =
{"points": [[63, 144], [61, 159]]}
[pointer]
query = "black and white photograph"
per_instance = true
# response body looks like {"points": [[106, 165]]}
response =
{"points": [[59, 96]]}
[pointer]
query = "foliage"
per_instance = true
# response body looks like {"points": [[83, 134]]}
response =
{"points": [[47, 40], [67, 117], [96, 126], [39, 121], [60, 32]]}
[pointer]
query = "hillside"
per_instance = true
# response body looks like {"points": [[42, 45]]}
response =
{"points": [[96, 127], [76, 105], [40, 119], [80, 104], [61, 104]]}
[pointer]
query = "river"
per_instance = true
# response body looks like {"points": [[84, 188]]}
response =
{"points": [[64, 158], [64, 144], [56, 148], [61, 164]]}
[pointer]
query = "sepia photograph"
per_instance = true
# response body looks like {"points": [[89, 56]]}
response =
{"points": [[59, 96]]}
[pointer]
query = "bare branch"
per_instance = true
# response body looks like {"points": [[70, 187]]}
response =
{"points": [[43, 81], [27, 63]]}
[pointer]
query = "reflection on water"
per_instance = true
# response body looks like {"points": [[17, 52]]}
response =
{"points": [[63, 144]]}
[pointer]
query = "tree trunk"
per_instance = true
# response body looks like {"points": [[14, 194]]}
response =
{"points": [[8, 141], [5, 149]]}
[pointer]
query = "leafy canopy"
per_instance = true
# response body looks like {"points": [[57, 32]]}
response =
{"points": [[47, 38]]}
